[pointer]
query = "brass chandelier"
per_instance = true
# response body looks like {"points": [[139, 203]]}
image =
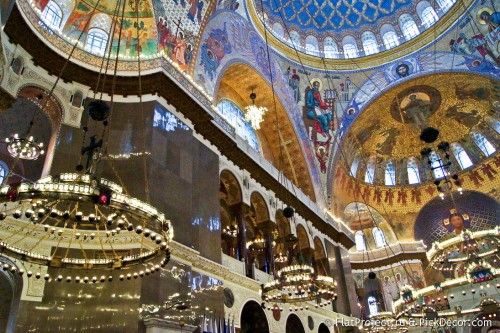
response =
{"points": [[79, 223]]}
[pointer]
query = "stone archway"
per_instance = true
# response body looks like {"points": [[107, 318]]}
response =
{"points": [[10, 294], [294, 325], [253, 319]]}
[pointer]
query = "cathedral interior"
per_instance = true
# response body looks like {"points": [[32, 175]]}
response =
{"points": [[250, 166]]}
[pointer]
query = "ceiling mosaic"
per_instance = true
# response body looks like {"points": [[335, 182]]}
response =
{"points": [[323, 15], [453, 103]]}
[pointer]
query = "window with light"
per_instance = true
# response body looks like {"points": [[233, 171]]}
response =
{"points": [[483, 143], [428, 17], [445, 4], [52, 15], [409, 27], [3, 172], [350, 51], [413, 173], [369, 41], [390, 173], [354, 166], [330, 48], [378, 236], [372, 306], [235, 116], [359, 239], [461, 156], [97, 41], [436, 165], [370, 172]]}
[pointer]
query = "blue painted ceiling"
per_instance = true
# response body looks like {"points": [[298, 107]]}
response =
{"points": [[331, 15]]}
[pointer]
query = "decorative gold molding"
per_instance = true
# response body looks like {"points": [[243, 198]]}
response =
{"points": [[415, 44]]}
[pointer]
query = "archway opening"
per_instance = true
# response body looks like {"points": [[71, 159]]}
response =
{"points": [[253, 319], [294, 325], [236, 85]]}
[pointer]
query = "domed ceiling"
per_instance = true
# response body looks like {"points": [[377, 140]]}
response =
{"points": [[456, 104], [332, 15]]}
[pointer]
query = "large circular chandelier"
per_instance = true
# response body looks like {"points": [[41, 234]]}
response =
{"points": [[299, 283], [79, 222], [468, 265], [24, 148]]}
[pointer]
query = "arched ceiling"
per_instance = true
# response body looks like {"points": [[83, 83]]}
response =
{"points": [[454, 103], [236, 85]]}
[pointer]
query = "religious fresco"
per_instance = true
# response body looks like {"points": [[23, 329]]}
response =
{"points": [[393, 279], [473, 210], [483, 40], [227, 39], [391, 126], [358, 215], [179, 24]]}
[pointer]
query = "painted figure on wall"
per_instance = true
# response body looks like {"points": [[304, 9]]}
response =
{"points": [[215, 47], [476, 45], [293, 82], [457, 222], [317, 110], [492, 19]]}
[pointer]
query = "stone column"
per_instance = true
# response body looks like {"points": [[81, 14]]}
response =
{"points": [[267, 228]]}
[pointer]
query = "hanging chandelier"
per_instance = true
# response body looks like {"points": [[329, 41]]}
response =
{"points": [[298, 283], [255, 114], [444, 170], [468, 264], [85, 222], [24, 148]]}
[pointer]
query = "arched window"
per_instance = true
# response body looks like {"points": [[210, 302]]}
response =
{"points": [[355, 166], [390, 173], [235, 116], [359, 239], [493, 123], [369, 41], [428, 17], [370, 171], [461, 156], [278, 30], [330, 48], [483, 143], [379, 237], [372, 306], [77, 99], [412, 168], [312, 46], [436, 165], [389, 36], [97, 41], [52, 15], [3, 172], [350, 51], [295, 38], [350, 48], [408, 26], [445, 4]]}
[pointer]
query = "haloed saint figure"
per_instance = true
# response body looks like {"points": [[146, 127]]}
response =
{"points": [[457, 222]]}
